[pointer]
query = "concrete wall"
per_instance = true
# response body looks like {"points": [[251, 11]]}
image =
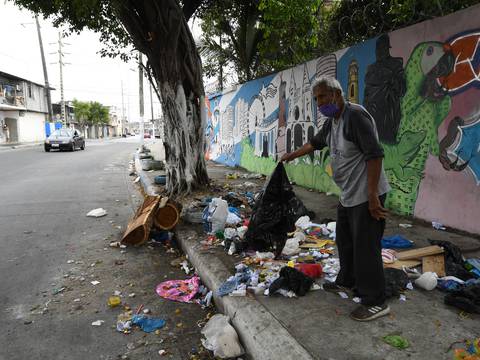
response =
{"points": [[36, 99], [31, 127], [421, 84]]}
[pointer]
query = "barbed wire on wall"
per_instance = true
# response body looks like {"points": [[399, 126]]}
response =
{"points": [[352, 24]]}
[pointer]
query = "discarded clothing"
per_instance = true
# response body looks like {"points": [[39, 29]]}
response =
{"points": [[311, 270], [454, 262], [291, 279], [147, 324], [396, 242], [179, 290], [395, 282], [466, 299], [228, 286]]}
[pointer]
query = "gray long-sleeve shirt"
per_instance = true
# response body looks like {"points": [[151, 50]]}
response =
{"points": [[352, 140]]}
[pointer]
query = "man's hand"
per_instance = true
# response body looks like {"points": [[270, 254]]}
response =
{"points": [[375, 207], [287, 157]]}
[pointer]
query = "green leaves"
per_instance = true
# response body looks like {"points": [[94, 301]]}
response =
{"points": [[258, 37], [91, 112]]}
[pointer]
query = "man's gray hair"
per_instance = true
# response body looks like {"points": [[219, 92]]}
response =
{"points": [[329, 82]]}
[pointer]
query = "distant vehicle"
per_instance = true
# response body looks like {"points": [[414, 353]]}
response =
{"points": [[65, 139], [146, 136]]}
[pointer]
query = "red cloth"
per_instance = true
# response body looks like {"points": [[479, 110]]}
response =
{"points": [[312, 270]]}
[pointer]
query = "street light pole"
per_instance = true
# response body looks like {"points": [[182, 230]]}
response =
{"points": [[140, 94]]}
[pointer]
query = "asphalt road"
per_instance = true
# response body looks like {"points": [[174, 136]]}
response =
{"points": [[47, 243]]}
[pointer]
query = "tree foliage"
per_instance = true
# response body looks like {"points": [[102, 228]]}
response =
{"points": [[257, 37], [90, 113], [349, 22]]}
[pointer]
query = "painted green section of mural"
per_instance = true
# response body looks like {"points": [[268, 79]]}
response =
{"points": [[417, 136], [261, 165], [303, 171]]}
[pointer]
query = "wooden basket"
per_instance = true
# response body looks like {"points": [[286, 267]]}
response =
{"points": [[166, 217]]}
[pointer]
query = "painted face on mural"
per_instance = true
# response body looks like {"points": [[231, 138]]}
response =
{"points": [[328, 101]]}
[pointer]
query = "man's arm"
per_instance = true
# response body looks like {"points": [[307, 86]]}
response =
{"points": [[374, 168], [305, 149]]}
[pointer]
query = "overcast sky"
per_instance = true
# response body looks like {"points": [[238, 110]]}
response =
{"points": [[88, 78]]}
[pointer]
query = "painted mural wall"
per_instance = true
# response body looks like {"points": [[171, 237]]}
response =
{"points": [[422, 86]]}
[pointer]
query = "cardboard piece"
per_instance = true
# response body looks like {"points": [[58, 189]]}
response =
{"points": [[318, 244], [419, 253], [399, 264], [434, 263]]}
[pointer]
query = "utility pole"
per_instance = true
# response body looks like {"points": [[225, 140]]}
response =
{"points": [[123, 111], [140, 95], [60, 62], [45, 73], [61, 54], [151, 109]]}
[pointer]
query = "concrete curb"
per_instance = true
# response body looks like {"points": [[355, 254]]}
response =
{"points": [[20, 146], [263, 336], [144, 180]]}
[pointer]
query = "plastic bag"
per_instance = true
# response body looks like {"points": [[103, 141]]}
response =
{"points": [[274, 213], [221, 338], [215, 215]]}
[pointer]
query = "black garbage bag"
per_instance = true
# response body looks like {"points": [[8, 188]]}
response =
{"points": [[454, 262], [395, 282], [466, 299], [274, 213], [291, 279]]}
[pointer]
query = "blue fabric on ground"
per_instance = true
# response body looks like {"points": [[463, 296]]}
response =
{"points": [[148, 324], [227, 287], [396, 242]]}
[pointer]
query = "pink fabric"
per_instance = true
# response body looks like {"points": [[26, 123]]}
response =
{"points": [[179, 290]]}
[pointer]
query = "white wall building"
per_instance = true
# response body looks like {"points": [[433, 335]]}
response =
{"points": [[23, 110]]}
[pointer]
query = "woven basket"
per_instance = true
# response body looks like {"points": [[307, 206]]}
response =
{"points": [[167, 217]]}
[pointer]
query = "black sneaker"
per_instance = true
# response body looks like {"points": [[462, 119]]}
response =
{"points": [[334, 288], [368, 313]]}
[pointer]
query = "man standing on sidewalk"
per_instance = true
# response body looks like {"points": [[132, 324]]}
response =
{"points": [[356, 160]]}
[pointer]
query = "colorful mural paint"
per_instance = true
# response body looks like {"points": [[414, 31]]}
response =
{"points": [[426, 104]]}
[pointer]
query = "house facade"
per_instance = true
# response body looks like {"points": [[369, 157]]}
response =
{"points": [[23, 110]]}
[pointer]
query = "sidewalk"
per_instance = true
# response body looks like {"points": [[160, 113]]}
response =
{"points": [[10, 146], [317, 326]]}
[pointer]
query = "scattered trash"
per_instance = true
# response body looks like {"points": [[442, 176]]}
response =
{"points": [[427, 281], [179, 290], [396, 341], [396, 242], [98, 323], [215, 215], [221, 338], [99, 212], [114, 301], [124, 322], [131, 295], [58, 290], [356, 300], [343, 295], [162, 352], [95, 282], [402, 297], [148, 324], [438, 225], [137, 179], [472, 351], [405, 226]]}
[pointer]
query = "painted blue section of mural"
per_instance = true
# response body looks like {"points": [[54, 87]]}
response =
{"points": [[364, 55], [469, 148], [251, 88]]}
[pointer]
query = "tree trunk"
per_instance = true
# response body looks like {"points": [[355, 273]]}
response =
{"points": [[160, 31]]}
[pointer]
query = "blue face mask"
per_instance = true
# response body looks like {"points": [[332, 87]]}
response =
{"points": [[329, 110]]}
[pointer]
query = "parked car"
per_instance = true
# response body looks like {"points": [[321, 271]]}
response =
{"points": [[65, 139]]}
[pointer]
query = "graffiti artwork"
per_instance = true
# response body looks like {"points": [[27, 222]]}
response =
{"points": [[414, 99]]}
